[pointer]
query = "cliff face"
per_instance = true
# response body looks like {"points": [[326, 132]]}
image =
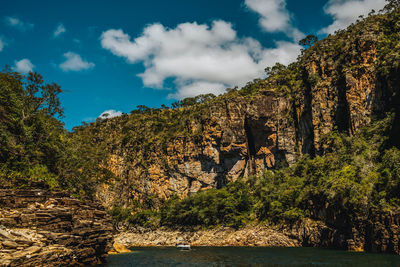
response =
{"points": [[40, 228], [238, 138], [342, 98], [240, 134]]}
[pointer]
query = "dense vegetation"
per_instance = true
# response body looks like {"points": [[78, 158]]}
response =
{"points": [[358, 173], [148, 130], [31, 138], [350, 175], [34, 146]]}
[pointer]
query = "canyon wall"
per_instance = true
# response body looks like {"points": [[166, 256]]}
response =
{"points": [[237, 135]]}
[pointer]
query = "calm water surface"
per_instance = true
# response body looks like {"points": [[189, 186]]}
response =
{"points": [[234, 256]]}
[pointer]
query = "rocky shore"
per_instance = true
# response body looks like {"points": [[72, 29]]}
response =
{"points": [[43, 228], [258, 236], [224, 236], [379, 234]]}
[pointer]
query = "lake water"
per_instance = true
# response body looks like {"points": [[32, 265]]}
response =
{"points": [[249, 256]]}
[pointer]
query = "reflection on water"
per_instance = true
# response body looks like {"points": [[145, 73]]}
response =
{"points": [[235, 256]]}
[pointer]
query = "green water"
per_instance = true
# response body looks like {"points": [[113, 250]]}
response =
{"points": [[234, 256]]}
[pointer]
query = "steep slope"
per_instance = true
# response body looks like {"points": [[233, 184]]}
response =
{"points": [[340, 83]]}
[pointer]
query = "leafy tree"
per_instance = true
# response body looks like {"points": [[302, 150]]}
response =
{"points": [[278, 67], [309, 40], [176, 104], [189, 101], [392, 5], [231, 90], [200, 99], [30, 137], [143, 108], [41, 97]]}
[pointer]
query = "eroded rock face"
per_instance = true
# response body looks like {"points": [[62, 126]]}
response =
{"points": [[342, 96], [379, 233], [238, 138], [241, 136], [40, 228]]}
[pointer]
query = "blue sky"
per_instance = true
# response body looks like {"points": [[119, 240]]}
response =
{"points": [[115, 55]]}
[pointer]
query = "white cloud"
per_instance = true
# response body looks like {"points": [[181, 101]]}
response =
{"points": [[110, 114], [200, 58], [346, 12], [59, 30], [2, 44], [198, 88], [274, 17], [18, 23], [24, 66], [74, 62]]}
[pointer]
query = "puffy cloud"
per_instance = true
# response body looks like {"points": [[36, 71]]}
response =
{"points": [[23, 66], [110, 114], [345, 12], [59, 30], [274, 17], [200, 58], [74, 62], [18, 23]]}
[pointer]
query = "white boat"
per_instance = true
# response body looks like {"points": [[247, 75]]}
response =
{"points": [[183, 247]]}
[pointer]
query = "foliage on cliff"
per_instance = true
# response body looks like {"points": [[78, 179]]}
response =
{"points": [[350, 175], [355, 175], [148, 130]]}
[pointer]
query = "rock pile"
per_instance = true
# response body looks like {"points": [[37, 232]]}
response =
{"points": [[42, 228]]}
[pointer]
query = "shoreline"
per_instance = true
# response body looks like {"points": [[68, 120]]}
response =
{"points": [[251, 236]]}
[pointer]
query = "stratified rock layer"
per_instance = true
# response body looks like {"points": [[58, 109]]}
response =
{"points": [[41, 228]]}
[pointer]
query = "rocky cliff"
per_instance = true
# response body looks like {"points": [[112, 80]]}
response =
{"points": [[337, 84], [42, 228]]}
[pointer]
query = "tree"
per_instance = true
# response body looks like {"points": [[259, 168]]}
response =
{"points": [[204, 98], [31, 138], [309, 40], [278, 67], [41, 97], [229, 90], [392, 5], [143, 108], [176, 104], [189, 101]]}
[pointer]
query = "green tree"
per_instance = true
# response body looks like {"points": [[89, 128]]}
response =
{"points": [[30, 136], [309, 40], [392, 5]]}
